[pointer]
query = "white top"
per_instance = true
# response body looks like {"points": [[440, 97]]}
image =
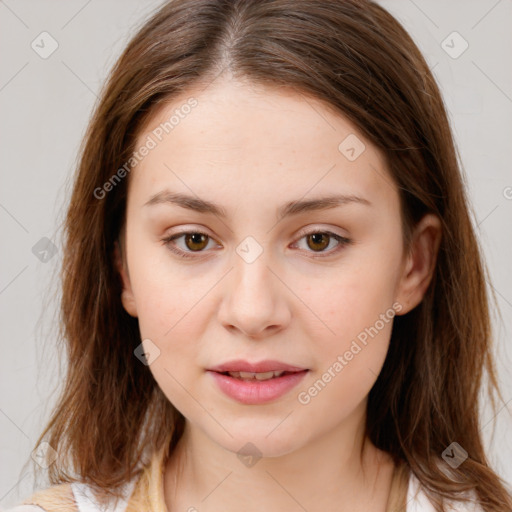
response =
{"points": [[417, 501]]}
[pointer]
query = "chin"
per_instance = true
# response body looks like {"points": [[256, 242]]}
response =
{"points": [[261, 439]]}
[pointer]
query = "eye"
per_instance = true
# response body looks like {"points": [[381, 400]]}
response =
{"points": [[318, 241], [195, 241]]}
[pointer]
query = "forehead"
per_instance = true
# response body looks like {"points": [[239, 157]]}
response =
{"points": [[258, 140]]}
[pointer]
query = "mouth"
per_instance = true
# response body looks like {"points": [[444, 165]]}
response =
{"points": [[256, 383], [242, 366], [262, 376]]}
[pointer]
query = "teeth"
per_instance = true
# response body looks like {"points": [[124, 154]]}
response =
{"points": [[264, 376], [255, 376]]}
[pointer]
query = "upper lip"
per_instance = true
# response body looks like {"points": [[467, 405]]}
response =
{"points": [[240, 365]]}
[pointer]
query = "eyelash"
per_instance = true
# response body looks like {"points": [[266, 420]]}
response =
{"points": [[342, 241]]}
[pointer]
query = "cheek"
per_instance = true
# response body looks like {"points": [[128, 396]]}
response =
{"points": [[356, 309], [164, 295], [170, 316], [350, 358], [172, 320], [173, 310], [354, 300], [157, 306]]}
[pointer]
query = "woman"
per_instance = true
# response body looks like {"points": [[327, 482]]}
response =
{"points": [[324, 348]]}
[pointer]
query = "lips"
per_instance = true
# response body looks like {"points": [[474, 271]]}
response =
{"points": [[240, 365], [256, 383]]}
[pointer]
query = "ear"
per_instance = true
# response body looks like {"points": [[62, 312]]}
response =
{"points": [[127, 297], [420, 263]]}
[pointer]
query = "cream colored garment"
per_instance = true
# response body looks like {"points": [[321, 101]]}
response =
{"points": [[146, 494]]}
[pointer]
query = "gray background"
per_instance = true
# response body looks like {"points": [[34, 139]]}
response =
{"points": [[45, 105]]}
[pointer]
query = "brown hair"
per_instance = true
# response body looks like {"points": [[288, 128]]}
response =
{"points": [[358, 60]]}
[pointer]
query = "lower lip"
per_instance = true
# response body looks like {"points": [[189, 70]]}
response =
{"points": [[257, 391]]}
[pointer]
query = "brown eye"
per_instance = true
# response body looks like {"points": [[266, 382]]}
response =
{"points": [[190, 242], [318, 241], [322, 243], [196, 241]]}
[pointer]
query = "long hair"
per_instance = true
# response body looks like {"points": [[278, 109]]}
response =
{"points": [[360, 62]]}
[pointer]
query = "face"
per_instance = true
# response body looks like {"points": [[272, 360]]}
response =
{"points": [[266, 273]]}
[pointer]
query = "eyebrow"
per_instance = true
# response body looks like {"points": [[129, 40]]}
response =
{"points": [[288, 209]]}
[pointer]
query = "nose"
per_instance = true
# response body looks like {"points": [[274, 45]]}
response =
{"points": [[255, 300]]}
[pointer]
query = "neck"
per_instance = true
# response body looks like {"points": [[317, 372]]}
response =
{"points": [[340, 470]]}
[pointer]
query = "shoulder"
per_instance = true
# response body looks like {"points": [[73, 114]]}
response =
{"points": [[24, 508], [80, 497], [55, 498], [69, 497], [417, 500]]}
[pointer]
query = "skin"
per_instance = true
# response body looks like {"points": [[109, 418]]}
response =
{"points": [[251, 149]]}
